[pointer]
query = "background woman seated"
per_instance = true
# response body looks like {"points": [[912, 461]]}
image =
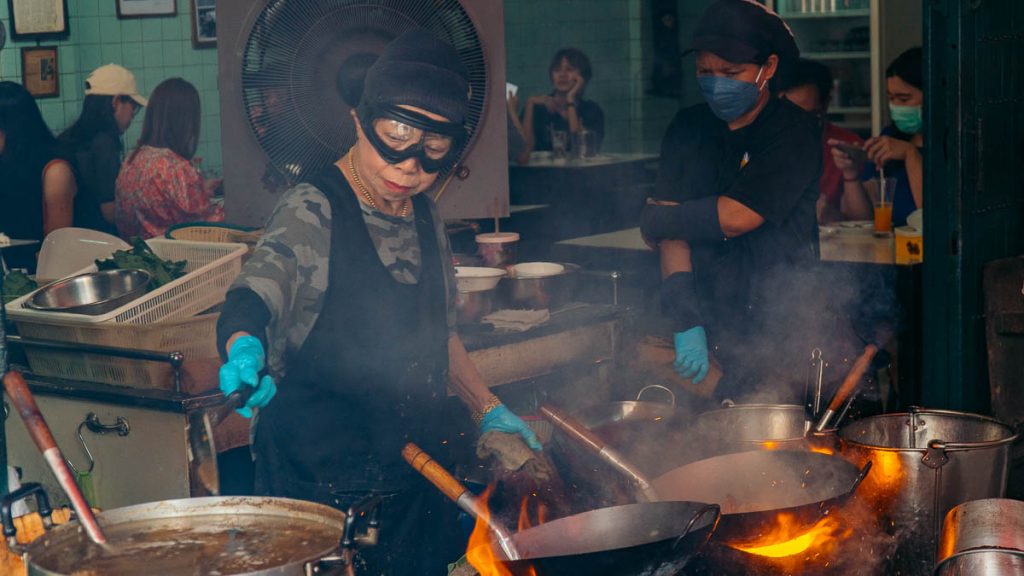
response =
{"points": [[563, 110], [158, 186]]}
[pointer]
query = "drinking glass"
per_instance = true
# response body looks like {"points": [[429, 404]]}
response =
{"points": [[559, 140], [883, 206]]}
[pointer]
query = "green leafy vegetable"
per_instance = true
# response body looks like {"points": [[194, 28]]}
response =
{"points": [[16, 285], [141, 257]]}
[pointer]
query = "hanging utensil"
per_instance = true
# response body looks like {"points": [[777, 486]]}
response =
{"points": [[202, 450], [23, 400], [848, 386]]}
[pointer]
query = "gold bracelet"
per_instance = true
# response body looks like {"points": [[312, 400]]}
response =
{"points": [[492, 403]]}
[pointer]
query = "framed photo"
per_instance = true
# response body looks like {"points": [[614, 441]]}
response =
{"points": [[144, 8], [39, 73], [31, 19], [204, 23]]}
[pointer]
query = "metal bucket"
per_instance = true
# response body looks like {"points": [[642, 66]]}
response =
{"points": [[925, 462]]}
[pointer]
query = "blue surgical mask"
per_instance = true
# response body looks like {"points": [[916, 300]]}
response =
{"points": [[729, 98], [907, 118]]}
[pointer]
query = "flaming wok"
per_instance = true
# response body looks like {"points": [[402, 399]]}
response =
{"points": [[751, 487], [633, 539]]}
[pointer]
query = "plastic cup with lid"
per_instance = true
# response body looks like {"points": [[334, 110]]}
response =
{"points": [[498, 249]]}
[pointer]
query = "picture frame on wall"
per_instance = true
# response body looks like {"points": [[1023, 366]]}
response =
{"points": [[145, 8], [204, 23], [35, 19], [39, 72]]}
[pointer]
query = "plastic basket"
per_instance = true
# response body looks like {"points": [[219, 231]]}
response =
{"points": [[207, 232], [196, 338], [209, 271]]}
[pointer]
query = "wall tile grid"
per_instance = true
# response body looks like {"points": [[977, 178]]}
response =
{"points": [[154, 49], [615, 34]]}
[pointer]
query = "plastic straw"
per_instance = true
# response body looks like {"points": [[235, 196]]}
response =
{"points": [[497, 212], [881, 184]]}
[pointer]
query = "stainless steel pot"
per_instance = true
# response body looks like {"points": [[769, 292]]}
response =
{"points": [[551, 292], [984, 562], [471, 307], [194, 536], [752, 426], [925, 463], [987, 524]]}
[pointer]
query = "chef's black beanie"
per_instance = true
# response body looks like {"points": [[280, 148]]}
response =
{"points": [[418, 69]]}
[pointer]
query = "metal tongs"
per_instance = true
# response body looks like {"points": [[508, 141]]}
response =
{"points": [[202, 450]]}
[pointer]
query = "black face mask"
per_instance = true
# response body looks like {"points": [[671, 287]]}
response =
{"points": [[398, 134]]}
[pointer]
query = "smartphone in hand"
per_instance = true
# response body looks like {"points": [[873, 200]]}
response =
{"points": [[855, 151], [511, 90]]}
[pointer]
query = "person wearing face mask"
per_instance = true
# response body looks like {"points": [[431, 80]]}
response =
{"points": [[348, 302], [733, 213], [898, 149]]}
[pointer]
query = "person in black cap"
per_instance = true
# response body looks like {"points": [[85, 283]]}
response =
{"points": [[348, 301], [733, 213]]}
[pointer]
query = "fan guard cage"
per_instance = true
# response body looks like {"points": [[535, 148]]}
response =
{"points": [[291, 61]]}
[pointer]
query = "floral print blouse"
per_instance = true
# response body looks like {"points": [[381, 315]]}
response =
{"points": [[157, 189]]}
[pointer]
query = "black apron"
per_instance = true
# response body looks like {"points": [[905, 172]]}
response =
{"points": [[371, 376]]}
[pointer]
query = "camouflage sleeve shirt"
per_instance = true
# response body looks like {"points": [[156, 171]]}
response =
{"points": [[289, 268]]}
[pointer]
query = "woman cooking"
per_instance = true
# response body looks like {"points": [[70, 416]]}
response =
{"points": [[351, 291], [734, 210]]}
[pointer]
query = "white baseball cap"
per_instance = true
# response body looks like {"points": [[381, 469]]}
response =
{"points": [[113, 80]]}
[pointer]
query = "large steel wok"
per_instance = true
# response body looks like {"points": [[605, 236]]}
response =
{"points": [[649, 539], [192, 537], [752, 487]]}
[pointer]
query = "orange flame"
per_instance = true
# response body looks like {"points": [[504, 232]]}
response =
{"points": [[770, 445], [822, 450], [787, 540], [480, 551]]}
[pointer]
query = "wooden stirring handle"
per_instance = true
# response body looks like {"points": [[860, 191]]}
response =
{"points": [[573, 428], [431, 470], [25, 403], [848, 386]]}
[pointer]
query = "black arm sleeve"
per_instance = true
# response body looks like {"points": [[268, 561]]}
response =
{"points": [[679, 301], [243, 311]]}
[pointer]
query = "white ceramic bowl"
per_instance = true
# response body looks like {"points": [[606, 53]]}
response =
{"points": [[537, 269], [476, 278]]}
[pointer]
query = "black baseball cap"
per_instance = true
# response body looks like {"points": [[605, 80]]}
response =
{"points": [[743, 31]]}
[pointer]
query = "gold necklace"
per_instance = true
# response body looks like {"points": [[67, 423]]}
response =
{"points": [[366, 193]]}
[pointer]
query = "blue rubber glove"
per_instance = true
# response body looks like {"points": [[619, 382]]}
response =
{"points": [[245, 360], [692, 354], [501, 419]]}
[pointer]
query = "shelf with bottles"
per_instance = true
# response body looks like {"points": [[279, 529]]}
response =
{"points": [[846, 13], [843, 55], [821, 8]]}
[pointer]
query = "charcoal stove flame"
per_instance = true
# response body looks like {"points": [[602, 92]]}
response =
{"points": [[786, 538], [481, 552]]}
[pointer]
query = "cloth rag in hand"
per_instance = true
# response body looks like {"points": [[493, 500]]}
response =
{"points": [[513, 455], [517, 320]]}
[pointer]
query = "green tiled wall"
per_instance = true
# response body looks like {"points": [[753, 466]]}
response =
{"points": [[615, 34], [154, 49]]}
